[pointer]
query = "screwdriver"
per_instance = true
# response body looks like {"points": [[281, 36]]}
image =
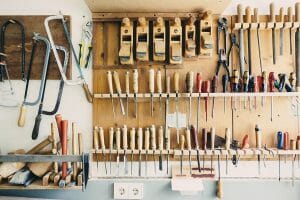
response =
{"points": [[132, 146], [198, 87], [272, 87], [246, 86], [214, 90], [264, 86], [153, 144], [181, 148], [204, 143], [125, 146], [285, 143], [111, 144], [151, 89], [127, 90], [293, 147], [160, 146], [118, 147], [140, 147], [212, 146], [224, 86], [235, 84], [227, 145], [196, 147], [96, 144], [159, 90], [119, 91], [111, 91], [279, 146], [168, 148], [167, 131], [206, 89], [176, 88], [135, 89], [258, 144], [146, 143], [102, 143], [189, 81], [189, 147]]}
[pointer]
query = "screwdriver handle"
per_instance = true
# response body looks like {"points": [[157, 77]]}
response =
{"points": [[292, 80], [292, 144], [189, 81], [297, 12], [182, 142], [248, 14], [240, 13], [147, 139], [264, 82], [199, 82], [95, 138], [206, 87], [204, 138], [281, 14], [153, 137], [168, 82], [188, 139], [214, 84], [124, 137], [132, 138], [160, 138], [271, 81], [256, 17], [290, 14], [258, 136], [176, 82], [227, 138], [246, 81], [158, 82], [279, 140], [118, 139], [101, 136], [298, 143], [245, 143], [151, 80], [272, 12], [110, 83], [212, 138], [140, 139], [111, 138], [219, 189], [224, 83], [168, 143], [117, 82], [127, 89], [195, 137], [135, 82], [286, 141]]}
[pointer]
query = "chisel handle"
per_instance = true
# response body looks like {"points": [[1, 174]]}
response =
{"points": [[195, 137], [140, 139], [258, 136], [147, 139], [227, 138], [124, 137], [176, 82], [189, 81], [281, 15], [240, 13], [188, 139], [182, 142], [256, 16], [204, 138], [95, 137], [158, 82], [168, 82], [160, 138], [248, 14], [117, 82], [87, 92], [151, 80], [153, 137], [101, 136], [297, 12], [132, 139], [127, 89], [286, 141], [111, 138], [110, 83], [74, 139], [272, 12], [118, 139], [199, 82], [212, 139], [21, 120], [135, 81], [290, 14]]}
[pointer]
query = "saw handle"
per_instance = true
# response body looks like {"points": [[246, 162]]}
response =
{"points": [[36, 127], [88, 94], [21, 120]]}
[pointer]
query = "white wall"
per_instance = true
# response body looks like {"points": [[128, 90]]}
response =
{"points": [[74, 106]]}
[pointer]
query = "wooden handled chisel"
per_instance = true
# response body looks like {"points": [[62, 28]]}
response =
{"points": [[118, 147], [176, 89], [146, 146], [125, 147], [160, 146], [110, 145], [135, 86], [140, 148], [132, 147], [151, 89], [127, 90], [119, 90], [102, 144], [153, 144], [111, 91]]}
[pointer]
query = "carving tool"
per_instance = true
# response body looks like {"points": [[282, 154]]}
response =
{"points": [[110, 144], [189, 81], [273, 20], [227, 145], [118, 147], [167, 131], [182, 141], [96, 143], [160, 146], [281, 17], [198, 88], [111, 91], [196, 147], [290, 19], [258, 144], [151, 89], [102, 143], [272, 87], [147, 144], [153, 144], [127, 90], [212, 146], [135, 89], [125, 147], [206, 89], [241, 39], [176, 88], [132, 146], [256, 20], [248, 20], [159, 90], [189, 146], [119, 90], [204, 144], [140, 147], [214, 90]]}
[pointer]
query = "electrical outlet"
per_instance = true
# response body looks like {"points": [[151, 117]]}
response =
{"points": [[135, 191], [121, 191]]}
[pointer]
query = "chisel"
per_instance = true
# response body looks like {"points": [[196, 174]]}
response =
{"points": [[125, 147], [196, 147], [293, 147], [241, 39], [160, 146], [248, 20], [153, 144], [111, 91], [146, 146], [119, 91], [135, 84], [227, 145], [132, 146], [256, 20], [140, 147], [181, 156], [271, 88], [118, 147], [127, 90], [204, 145], [96, 144], [176, 88], [111, 145], [206, 89], [198, 88], [273, 20], [281, 17], [258, 144], [102, 143], [212, 146], [189, 81], [290, 19], [167, 131], [159, 90], [151, 89], [168, 145], [189, 146], [214, 90]]}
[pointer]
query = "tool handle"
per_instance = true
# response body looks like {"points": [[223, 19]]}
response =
{"points": [[160, 138], [153, 137], [168, 143], [204, 138], [87, 92], [281, 14], [40, 146], [215, 84], [297, 12], [111, 138], [64, 145], [199, 82], [189, 81], [280, 140], [95, 138], [224, 82], [110, 83], [158, 82], [271, 81], [54, 145], [240, 13], [101, 136], [292, 144], [227, 138], [245, 143], [188, 139], [21, 120], [298, 143], [272, 12], [212, 139], [219, 189], [258, 136], [151, 80], [264, 82], [127, 89], [132, 138], [147, 139], [248, 14], [58, 119], [206, 87], [176, 82], [117, 82], [194, 133], [255, 16], [135, 82], [290, 14], [182, 142], [36, 127], [140, 139], [168, 82], [118, 139], [124, 137], [74, 139], [80, 143], [286, 141]]}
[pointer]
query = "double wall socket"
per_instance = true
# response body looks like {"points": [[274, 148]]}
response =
{"points": [[128, 190]]}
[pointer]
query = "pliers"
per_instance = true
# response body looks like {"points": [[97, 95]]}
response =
{"points": [[222, 61], [222, 27]]}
